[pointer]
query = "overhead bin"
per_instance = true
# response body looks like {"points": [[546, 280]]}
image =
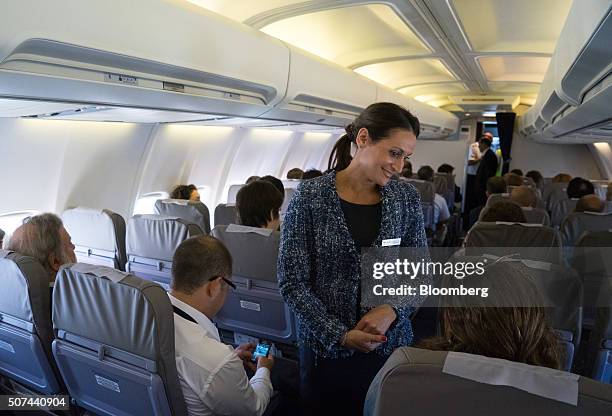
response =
{"points": [[435, 123], [574, 99], [165, 55], [321, 92]]}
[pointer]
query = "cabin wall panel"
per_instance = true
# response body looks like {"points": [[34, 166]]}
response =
{"points": [[550, 159], [309, 151], [56, 164]]}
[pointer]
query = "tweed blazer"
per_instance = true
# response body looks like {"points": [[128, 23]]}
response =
{"points": [[319, 264]]}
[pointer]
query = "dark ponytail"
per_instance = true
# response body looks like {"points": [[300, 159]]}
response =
{"points": [[378, 119]]}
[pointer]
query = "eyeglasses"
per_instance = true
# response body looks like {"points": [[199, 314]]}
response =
{"points": [[229, 282]]}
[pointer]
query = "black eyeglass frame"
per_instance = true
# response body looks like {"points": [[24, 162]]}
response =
{"points": [[226, 280]]}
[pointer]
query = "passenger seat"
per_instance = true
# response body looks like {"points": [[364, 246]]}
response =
{"points": [[151, 241], [191, 211], [26, 331], [115, 342], [98, 236], [256, 309], [441, 382], [225, 214]]}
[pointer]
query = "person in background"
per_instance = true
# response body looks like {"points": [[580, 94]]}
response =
{"points": [[252, 179], [44, 237], [189, 192], [1, 238], [561, 178], [258, 205], [212, 375], [590, 203], [448, 169], [357, 204], [486, 169], [441, 212], [503, 211], [512, 179], [295, 173], [519, 330], [537, 178], [407, 170], [278, 184], [312, 173], [495, 185], [524, 196], [579, 187], [517, 172]]}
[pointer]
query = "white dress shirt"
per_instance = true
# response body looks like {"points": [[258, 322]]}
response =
{"points": [[441, 212], [212, 375]]}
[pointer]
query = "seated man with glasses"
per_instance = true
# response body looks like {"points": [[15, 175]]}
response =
{"points": [[212, 374]]}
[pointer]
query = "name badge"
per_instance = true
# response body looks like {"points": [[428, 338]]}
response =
{"points": [[391, 242]]}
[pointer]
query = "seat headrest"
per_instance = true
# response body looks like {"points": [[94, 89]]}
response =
{"points": [[113, 308], [191, 211], [157, 236], [254, 250], [25, 285], [91, 227], [540, 381], [465, 379]]}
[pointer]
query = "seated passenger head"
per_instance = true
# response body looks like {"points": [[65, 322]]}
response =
{"points": [[278, 184], [512, 179], [510, 323], [488, 135], [536, 176], [484, 143], [385, 136], [524, 196], [189, 192], [312, 173], [517, 172], [590, 203], [295, 173], [561, 178], [426, 173], [201, 274], [496, 185], [579, 187], [252, 179], [258, 205], [1, 237], [503, 211], [44, 238], [446, 168], [407, 170]]}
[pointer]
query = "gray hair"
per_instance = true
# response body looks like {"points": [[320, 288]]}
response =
{"points": [[39, 237]]}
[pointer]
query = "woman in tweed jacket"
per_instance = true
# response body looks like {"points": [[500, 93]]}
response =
{"points": [[329, 219]]}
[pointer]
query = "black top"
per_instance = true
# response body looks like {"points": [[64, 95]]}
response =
{"points": [[363, 221]]}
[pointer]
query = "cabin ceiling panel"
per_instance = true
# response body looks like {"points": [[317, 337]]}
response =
{"points": [[512, 26], [514, 68], [447, 88], [407, 72], [420, 47], [523, 88], [241, 10], [350, 35]]}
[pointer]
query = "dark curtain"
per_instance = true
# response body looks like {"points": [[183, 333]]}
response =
{"points": [[505, 129], [479, 129]]}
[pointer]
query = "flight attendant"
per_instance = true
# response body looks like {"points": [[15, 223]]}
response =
{"points": [[358, 204]]}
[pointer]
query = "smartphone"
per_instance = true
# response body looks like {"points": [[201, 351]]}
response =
{"points": [[262, 350]]}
